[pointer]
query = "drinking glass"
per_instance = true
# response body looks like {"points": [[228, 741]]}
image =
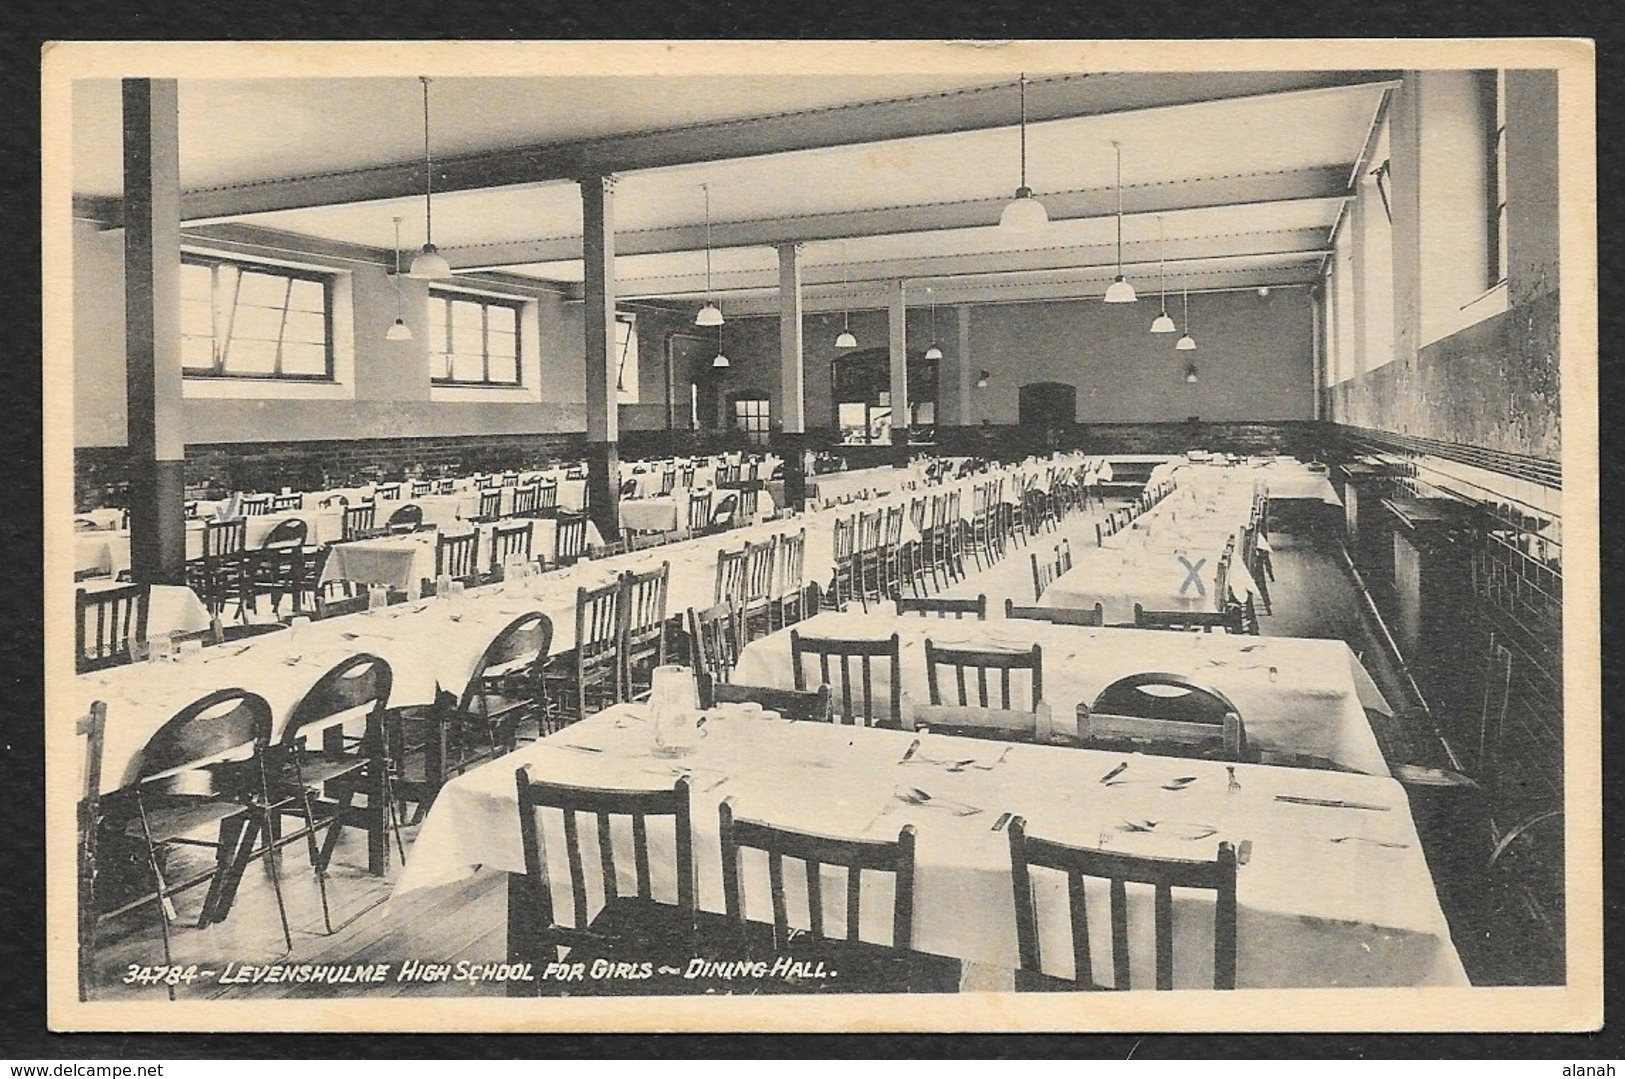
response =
{"points": [[674, 706]]}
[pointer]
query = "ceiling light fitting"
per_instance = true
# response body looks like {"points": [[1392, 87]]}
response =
{"points": [[1024, 213], [845, 339], [429, 263], [399, 331], [710, 314], [1186, 343], [1162, 323], [1120, 291], [935, 351]]}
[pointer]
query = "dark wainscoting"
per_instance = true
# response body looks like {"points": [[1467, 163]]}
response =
{"points": [[1303, 438]]}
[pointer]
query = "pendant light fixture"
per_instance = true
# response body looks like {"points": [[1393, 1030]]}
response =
{"points": [[1120, 291], [935, 351], [1024, 213], [399, 331], [1187, 343], [845, 339], [1162, 323], [721, 360], [710, 314], [429, 263]]}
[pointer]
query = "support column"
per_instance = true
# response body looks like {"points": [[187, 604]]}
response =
{"points": [[897, 314], [152, 325], [1316, 358], [967, 370], [792, 380], [603, 418]]}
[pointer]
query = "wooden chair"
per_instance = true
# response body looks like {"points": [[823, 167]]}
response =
{"points": [[846, 569], [408, 518], [724, 514], [1061, 616], [319, 786], [387, 492], [108, 621], [864, 967], [526, 498], [203, 769], [92, 726], [1120, 870], [942, 607], [1164, 713], [430, 743], [981, 661], [254, 505], [699, 512], [629, 488], [971, 721], [359, 521], [509, 542], [790, 593], [457, 557], [643, 625], [714, 640], [445, 485], [1043, 575], [420, 488], [869, 711], [210, 574], [569, 539], [291, 532], [590, 677], [285, 503], [490, 506], [809, 706], [1228, 620], [757, 599], [668, 482], [871, 557], [634, 928], [547, 498], [730, 579], [274, 572]]}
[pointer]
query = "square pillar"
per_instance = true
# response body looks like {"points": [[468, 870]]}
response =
{"points": [[897, 317], [603, 419], [792, 382]]}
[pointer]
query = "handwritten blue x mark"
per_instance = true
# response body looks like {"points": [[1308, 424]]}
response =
{"points": [[1193, 576]]}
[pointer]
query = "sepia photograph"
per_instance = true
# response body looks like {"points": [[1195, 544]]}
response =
{"points": [[835, 536]]}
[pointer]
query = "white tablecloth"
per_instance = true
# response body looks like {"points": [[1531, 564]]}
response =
{"points": [[1312, 912], [1314, 704], [171, 608]]}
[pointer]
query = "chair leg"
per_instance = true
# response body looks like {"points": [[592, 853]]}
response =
{"points": [[166, 909]]}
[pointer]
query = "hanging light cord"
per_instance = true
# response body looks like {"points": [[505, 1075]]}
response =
{"points": [[1119, 147], [846, 309], [428, 166], [1162, 263], [1023, 130], [707, 189]]}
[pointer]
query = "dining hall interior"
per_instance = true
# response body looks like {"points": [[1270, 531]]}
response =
{"points": [[613, 534]]}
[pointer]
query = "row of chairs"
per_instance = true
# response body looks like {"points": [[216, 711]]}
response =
{"points": [[762, 584], [670, 934]]}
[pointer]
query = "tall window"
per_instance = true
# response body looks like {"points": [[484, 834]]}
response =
{"points": [[245, 320], [626, 359], [473, 340], [751, 416], [1495, 115]]}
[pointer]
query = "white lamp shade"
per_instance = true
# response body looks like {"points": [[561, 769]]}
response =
{"points": [[846, 340], [1186, 343], [720, 362], [1024, 213], [1120, 292], [933, 353], [1163, 324], [398, 332], [1190, 375], [981, 383], [430, 264], [710, 315]]}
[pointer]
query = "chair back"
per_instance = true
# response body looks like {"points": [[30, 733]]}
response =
{"points": [[359, 520], [865, 708], [354, 683], [510, 479], [508, 541], [222, 539], [520, 647], [569, 539], [576, 472], [1120, 870], [699, 511], [668, 481], [871, 531], [979, 662], [211, 728], [289, 533], [808, 706], [730, 582], [387, 492], [1228, 620], [725, 512], [714, 640], [815, 852], [845, 538], [526, 499], [643, 615], [421, 488], [629, 487], [792, 560], [1061, 616], [408, 518], [254, 505], [603, 805], [972, 721], [108, 620], [490, 503], [759, 566], [456, 556], [598, 632], [445, 485], [283, 503], [1043, 575], [547, 497], [1158, 709], [941, 606]]}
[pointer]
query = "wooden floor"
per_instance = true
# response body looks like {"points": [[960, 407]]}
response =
{"points": [[1313, 594]]}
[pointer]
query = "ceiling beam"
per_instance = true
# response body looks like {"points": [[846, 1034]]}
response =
{"points": [[1087, 259], [1206, 193], [979, 108]]}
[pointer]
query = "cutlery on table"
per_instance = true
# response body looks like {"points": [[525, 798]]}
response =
{"points": [[1178, 783], [1003, 819], [578, 748], [1329, 803], [1373, 842], [1114, 773], [1244, 853], [918, 797], [908, 754]]}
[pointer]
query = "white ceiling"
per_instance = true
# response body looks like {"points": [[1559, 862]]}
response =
{"points": [[254, 131]]}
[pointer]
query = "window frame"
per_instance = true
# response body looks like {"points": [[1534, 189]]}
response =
{"points": [[485, 301], [218, 370], [1493, 89], [759, 407]]}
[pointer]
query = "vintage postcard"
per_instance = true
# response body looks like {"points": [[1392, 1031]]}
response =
{"points": [[645, 536]]}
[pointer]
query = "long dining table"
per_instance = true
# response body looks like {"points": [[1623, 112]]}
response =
{"points": [[1331, 895], [1300, 697]]}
